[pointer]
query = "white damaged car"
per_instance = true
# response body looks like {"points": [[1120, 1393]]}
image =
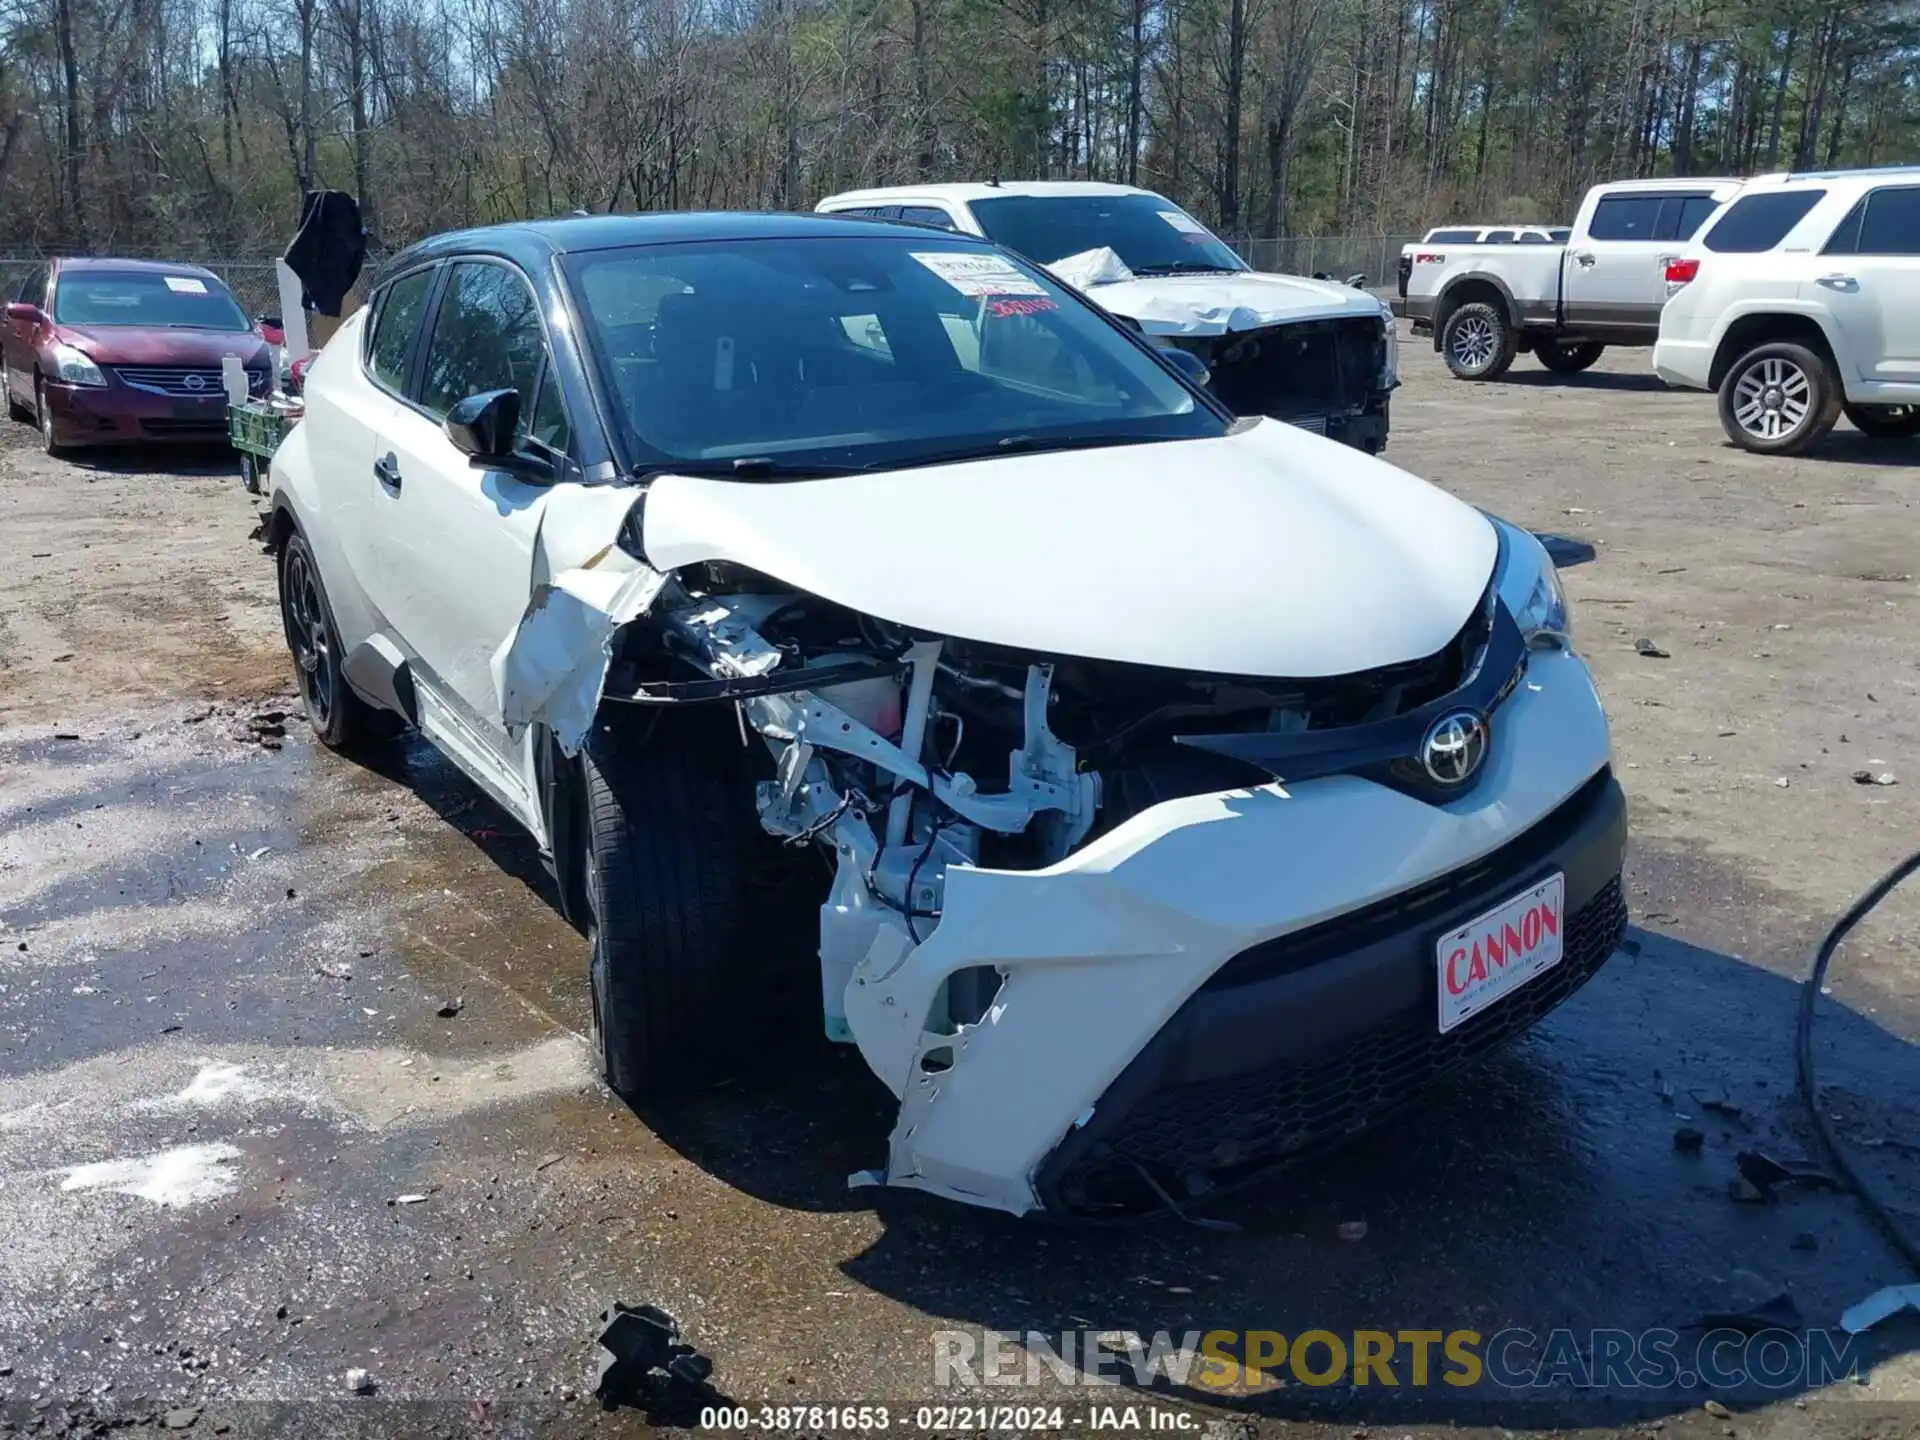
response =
{"points": [[1152, 797], [1321, 356]]}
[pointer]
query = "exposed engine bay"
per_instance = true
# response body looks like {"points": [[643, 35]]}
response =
{"points": [[1324, 375], [903, 756]]}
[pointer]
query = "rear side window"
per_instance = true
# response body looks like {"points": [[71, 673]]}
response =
{"points": [[1754, 223], [1885, 222], [1625, 217], [394, 325], [1682, 215], [926, 215], [1453, 237]]}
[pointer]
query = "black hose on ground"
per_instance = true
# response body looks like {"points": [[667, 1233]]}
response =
{"points": [[1803, 1059]]}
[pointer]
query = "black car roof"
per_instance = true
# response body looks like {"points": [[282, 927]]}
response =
{"points": [[532, 242]]}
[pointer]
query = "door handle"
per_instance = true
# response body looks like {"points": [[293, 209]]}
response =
{"points": [[1839, 282], [1584, 259], [387, 471]]}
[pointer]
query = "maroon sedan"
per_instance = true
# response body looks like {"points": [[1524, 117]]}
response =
{"points": [[103, 352]]}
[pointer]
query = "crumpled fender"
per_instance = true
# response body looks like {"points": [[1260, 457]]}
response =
{"points": [[552, 668]]}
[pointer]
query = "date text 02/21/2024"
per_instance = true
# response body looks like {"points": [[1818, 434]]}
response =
{"points": [[945, 1418]]}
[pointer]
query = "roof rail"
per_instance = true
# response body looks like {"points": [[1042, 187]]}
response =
{"points": [[1844, 170]]}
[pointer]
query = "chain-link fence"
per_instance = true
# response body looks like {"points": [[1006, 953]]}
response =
{"points": [[1374, 256]]}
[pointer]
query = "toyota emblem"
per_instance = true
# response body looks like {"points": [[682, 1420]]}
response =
{"points": [[195, 382], [1453, 747]]}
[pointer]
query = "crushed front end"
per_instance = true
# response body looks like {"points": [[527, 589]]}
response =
{"points": [[1117, 935]]}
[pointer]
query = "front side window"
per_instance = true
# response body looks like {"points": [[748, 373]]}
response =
{"points": [[1625, 217], [146, 298], [487, 336], [33, 290], [1498, 237], [1452, 237], [876, 351], [396, 321], [1150, 235], [1757, 223]]}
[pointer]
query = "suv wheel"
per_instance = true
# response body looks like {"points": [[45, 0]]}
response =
{"points": [[669, 834], [1779, 399], [1570, 359], [1477, 342], [341, 720], [1886, 422]]}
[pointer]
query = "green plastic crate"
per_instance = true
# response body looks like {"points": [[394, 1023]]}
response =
{"points": [[257, 427]]}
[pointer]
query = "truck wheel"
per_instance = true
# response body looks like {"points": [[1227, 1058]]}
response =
{"points": [[1779, 399], [341, 720], [1478, 342], [1570, 359], [1886, 422], [249, 473], [668, 838]]}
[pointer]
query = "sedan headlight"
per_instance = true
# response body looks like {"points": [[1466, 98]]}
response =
{"points": [[71, 367], [1529, 586]]}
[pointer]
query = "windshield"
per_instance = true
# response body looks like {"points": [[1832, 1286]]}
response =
{"points": [[870, 352], [1150, 235], [147, 298]]}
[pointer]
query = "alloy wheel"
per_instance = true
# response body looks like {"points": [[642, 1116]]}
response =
{"points": [[1473, 343], [1772, 399], [310, 639]]}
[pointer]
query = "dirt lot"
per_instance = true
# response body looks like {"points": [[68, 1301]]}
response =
{"points": [[224, 957]]}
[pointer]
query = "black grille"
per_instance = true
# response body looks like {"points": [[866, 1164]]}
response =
{"points": [[1213, 1131], [187, 382], [185, 429], [1309, 368]]}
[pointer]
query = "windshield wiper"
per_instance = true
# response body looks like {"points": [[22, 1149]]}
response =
{"points": [[746, 467], [1024, 445], [1184, 267]]}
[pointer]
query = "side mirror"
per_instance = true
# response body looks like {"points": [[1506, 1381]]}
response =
{"points": [[1189, 365], [20, 310], [1358, 282], [1131, 322], [482, 428]]}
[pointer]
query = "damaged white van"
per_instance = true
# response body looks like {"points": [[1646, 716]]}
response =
{"points": [[1152, 797]]}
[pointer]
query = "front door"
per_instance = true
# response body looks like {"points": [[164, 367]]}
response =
{"points": [[1868, 277], [453, 544]]}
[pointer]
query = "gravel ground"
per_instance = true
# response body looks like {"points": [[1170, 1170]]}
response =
{"points": [[256, 999]]}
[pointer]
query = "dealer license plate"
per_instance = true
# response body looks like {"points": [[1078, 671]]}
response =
{"points": [[1498, 952]]}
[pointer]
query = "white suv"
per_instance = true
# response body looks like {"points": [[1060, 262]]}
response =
{"points": [[1800, 302]]}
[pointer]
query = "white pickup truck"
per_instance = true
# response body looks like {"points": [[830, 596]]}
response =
{"points": [[1485, 303]]}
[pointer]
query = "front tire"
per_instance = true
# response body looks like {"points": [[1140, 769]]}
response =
{"points": [[1779, 399], [341, 720], [1478, 342], [43, 413], [669, 839], [1570, 359], [15, 409], [1886, 422]]}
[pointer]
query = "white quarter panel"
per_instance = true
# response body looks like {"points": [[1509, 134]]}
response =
{"points": [[1271, 552]]}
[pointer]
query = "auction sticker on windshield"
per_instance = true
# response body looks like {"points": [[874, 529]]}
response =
{"points": [[186, 285], [1498, 952], [978, 274], [1185, 224]]}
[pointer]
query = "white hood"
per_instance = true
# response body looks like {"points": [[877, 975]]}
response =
{"points": [[1272, 552], [1217, 304]]}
